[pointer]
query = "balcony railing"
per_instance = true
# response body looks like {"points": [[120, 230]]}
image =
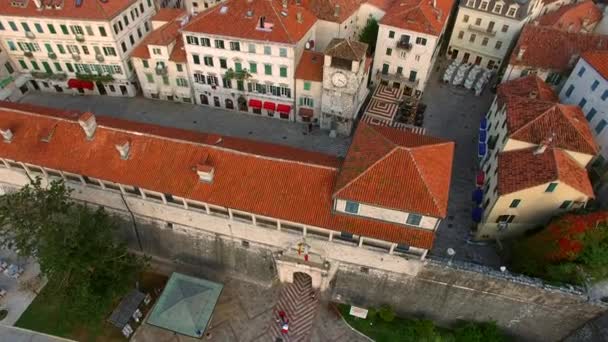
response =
{"points": [[52, 55], [28, 54], [80, 38], [30, 34], [486, 31], [99, 57], [405, 45], [397, 77], [161, 70], [76, 56], [59, 76]]}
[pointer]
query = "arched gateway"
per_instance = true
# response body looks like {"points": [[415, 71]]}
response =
{"points": [[301, 260]]}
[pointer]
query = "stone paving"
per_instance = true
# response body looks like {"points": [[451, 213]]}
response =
{"points": [[197, 118], [244, 311], [454, 113]]}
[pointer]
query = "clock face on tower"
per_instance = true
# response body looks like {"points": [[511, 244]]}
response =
{"points": [[339, 79]]}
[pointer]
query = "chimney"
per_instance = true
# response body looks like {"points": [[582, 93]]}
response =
{"points": [[38, 4], [337, 11], [204, 170], [262, 20], [284, 4], [124, 149], [540, 149], [434, 3], [7, 134], [533, 94], [299, 17], [88, 124], [520, 53]]}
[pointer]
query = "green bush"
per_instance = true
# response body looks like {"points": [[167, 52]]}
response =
{"points": [[478, 332], [386, 313], [372, 313]]}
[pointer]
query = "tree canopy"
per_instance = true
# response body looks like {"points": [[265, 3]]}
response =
{"points": [[573, 248], [74, 244], [369, 34]]}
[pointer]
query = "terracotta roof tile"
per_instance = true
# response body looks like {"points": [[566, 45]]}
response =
{"points": [[164, 35], [550, 48], [346, 49], [419, 15], [168, 14], [572, 17], [529, 86], [265, 179], [397, 169], [536, 121], [235, 23], [598, 60], [310, 67], [88, 10], [178, 55], [522, 169], [326, 9]]}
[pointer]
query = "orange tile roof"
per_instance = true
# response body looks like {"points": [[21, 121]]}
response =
{"points": [[310, 67], [572, 17], [397, 169], [550, 48], [164, 35], [265, 179], [529, 86], [326, 9], [235, 23], [598, 60], [168, 14], [178, 55], [419, 15], [88, 10], [535, 121], [522, 169]]}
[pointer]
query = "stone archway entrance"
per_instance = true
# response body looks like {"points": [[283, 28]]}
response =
{"points": [[302, 260]]}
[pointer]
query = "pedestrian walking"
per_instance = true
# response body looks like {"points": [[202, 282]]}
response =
{"points": [[310, 127]]}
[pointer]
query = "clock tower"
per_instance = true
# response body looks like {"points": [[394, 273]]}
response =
{"points": [[345, 75]]}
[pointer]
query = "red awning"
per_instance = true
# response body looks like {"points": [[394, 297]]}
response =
{"points": [[306, 112], [74, 83], [481, 177], [255, 103], [283, 108], [270, 106]]}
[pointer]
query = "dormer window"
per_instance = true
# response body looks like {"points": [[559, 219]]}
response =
{"points": [[512, 12], [470, 3], [483, 6], [351, 207], [497, 8]]}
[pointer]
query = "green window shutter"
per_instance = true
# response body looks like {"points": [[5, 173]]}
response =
{"points": [[179, 67], [166, 80], [23, 65], [515, 203], [51, 28], [551, 187], [565, 205], [47, 67], [196, 59], [253, 68], [150, 78], [145, 63], [48, 47], [61, 49], [306, 85], [38, 28], [283, 72], [238, 67], [267, 69], [70, 67], [58, 67], [64, 29], [240, 85]]}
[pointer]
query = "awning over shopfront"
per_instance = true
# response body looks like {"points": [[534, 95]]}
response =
{"points": [[255, 103], [74, 83], [306, 112], [270, 106], [481, 177], [283, 108]]}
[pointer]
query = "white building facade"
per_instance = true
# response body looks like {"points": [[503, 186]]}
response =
{"points": [[79, 49]]}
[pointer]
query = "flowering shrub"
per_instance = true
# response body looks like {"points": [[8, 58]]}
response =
{"points": [[572, 247]]}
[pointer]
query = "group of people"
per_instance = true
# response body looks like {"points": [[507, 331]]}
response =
{"points": [[284, 322]]}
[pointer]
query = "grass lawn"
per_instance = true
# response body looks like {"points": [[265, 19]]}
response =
{"points": [[420, 330], [47, 314]]}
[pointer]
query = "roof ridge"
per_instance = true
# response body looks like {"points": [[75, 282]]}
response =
{"points": [[570, 119], [553, 104], [271, 4], [372, 165], [559, 169], [421, 175]]}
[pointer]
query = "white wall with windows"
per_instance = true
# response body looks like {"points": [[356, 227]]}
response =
{"points": [[589, 90], [385, 214], [54, 49], [481, 36], [309, 97], [262, 73], [403, 57]]}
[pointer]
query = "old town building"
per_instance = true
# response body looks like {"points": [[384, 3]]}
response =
{"points": [[160, 59], [484, 31], [537, 153], [580, 17], [76, 46], [409, 39], [256, 194]]}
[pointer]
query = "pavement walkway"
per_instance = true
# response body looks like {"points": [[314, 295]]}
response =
{"points": [[197, 118]]}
